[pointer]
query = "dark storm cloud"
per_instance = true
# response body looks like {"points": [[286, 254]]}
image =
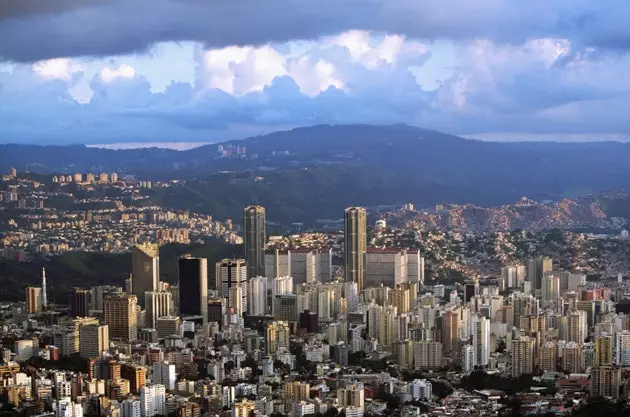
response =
{"points": [[32, 30]]}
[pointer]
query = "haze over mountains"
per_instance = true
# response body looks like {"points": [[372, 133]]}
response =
{"points": [[329, 167]]}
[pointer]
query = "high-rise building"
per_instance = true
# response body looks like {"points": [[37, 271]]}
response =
{"points": [[285, 308], [304, 265], [572, 358], [277, 263], [550, 287], [450, 330], [254, 236], [355, 244], [471, 289], [79, 302], [129, 408], [93, 340], [230, 273], [168, 326], [468, 358], [536, 270], [384, 267], [622, 348], [604, 350], [33, 300], [427, 355], [277, 335], [547, 356], [153, 400], [481, 341], [523, 356], [145, 269], [164, 373], [121, 316], [605, 381], [257, 296], [577, 326], [193, 287], [415, 266], [157, 304], [352, 395]]}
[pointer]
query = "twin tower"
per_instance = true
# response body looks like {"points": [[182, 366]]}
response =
{"points": [[355, 242]]}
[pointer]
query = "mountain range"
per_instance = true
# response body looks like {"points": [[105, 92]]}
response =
{"points": [[314, 172]]}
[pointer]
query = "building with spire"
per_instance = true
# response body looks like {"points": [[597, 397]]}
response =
{"points": [[44, 297]]}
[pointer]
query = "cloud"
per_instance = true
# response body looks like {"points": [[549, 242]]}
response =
{"points": [[543, 85], [58, 28]]}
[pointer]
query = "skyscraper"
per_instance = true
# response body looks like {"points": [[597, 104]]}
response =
{"points": [[481, 341], [254, 235], [145, 269], [355, 244], [193, 287], [120, 316], [523, 356], [79, 302], [33, 300], [229, 273], [257, 296], [536, 269]]}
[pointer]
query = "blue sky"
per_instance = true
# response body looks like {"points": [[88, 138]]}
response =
{"points": [[196, 71]]}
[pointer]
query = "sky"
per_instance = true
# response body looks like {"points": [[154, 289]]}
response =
{"points": [[188, 71]]}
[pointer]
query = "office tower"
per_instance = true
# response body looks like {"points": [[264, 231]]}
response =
{"points": [[254, 236], [164, 373], [415, 266], [44, 290], [93, 340], [508, 275], [304, 264], [193, 287], [523, 356], [79, 302], [121, 317], [547, 357], [277, 335], [550, 287], [427, 355], [277, 263], [229, 273], [33, 300], [157, 304], [536, 270], [603, 351], [308, 322], [577, 326], [135, 374], [257, 296], [285, 308], [481, 342], [471, 289], [355, 244], [145, 269], [384, 266], [153, 400], [324, 265], [23, 349], [468, 358], [387, 326], [572, 358], [168, 326], [605, 381]]}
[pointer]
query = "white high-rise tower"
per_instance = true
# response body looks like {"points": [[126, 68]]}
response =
{"points": [[44, 298]]}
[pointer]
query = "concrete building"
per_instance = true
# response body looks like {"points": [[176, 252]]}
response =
{"points": [[145, 270], [523, 356], [481, 341], [33, 300], [193, 287], [257, 289], [153, 400], [254, 236], [93, 340], [385, 266], [79, 302], [277, 263], [229, 273], [157, 304], [355, 244], [120, 316]]}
